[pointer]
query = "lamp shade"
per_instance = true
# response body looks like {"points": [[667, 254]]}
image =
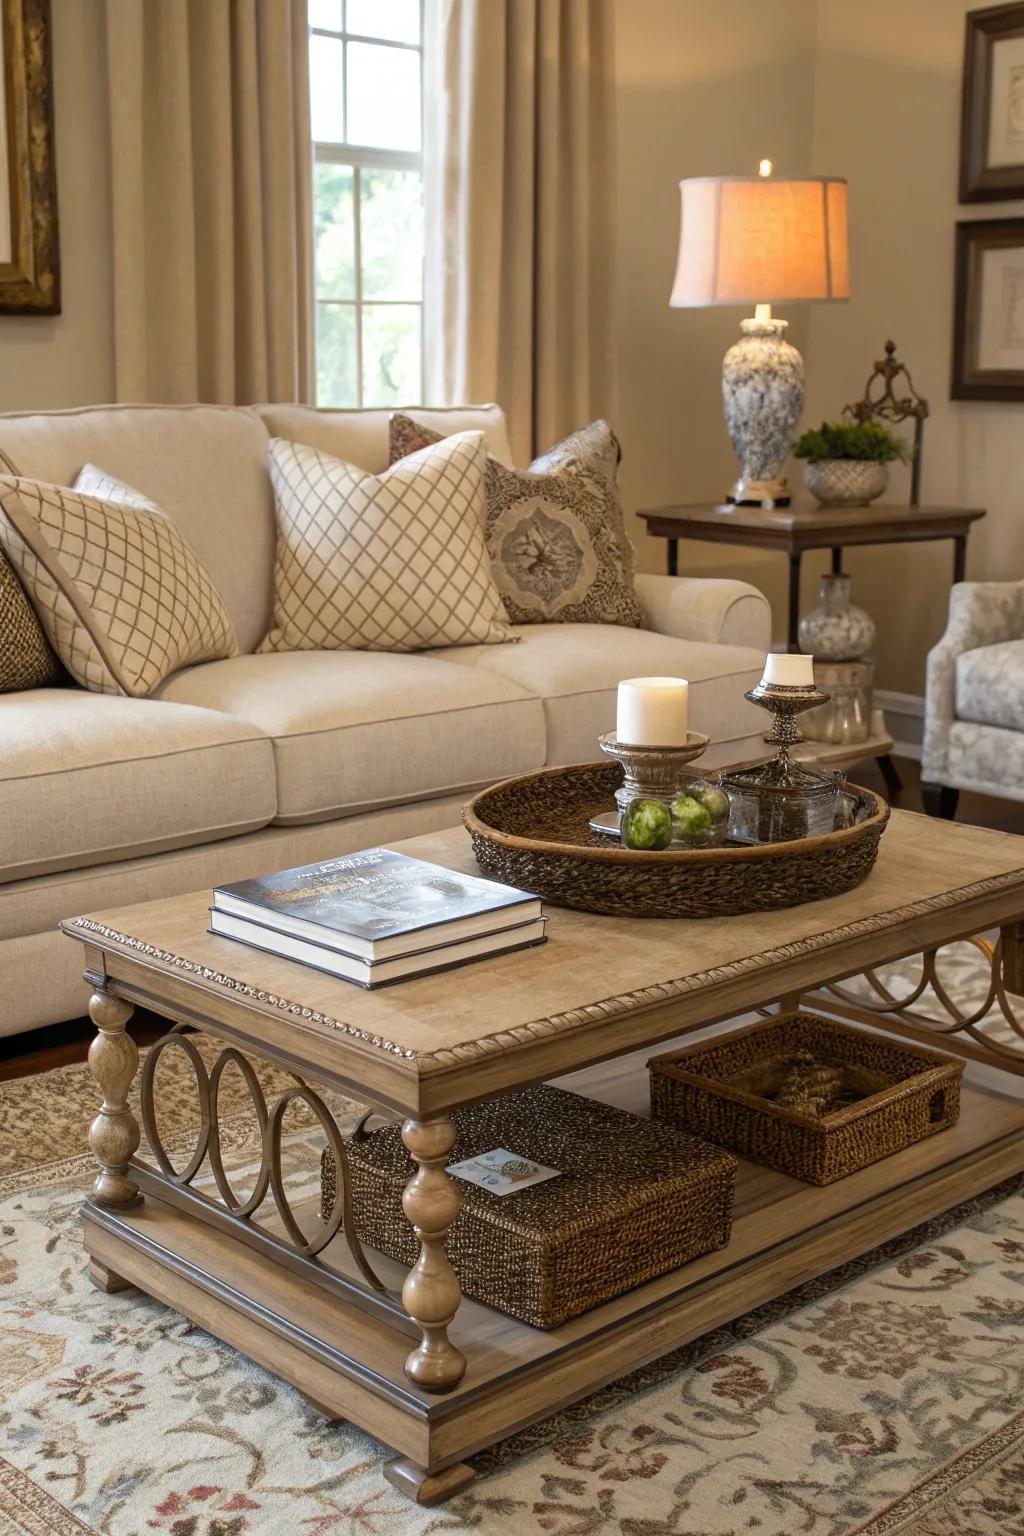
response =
{"points": [[758, 240]]}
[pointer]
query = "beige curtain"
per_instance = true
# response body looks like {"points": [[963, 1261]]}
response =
{"points": [[518, 192], [212, 189]]}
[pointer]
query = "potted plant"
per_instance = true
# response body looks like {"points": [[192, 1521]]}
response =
{"points": [[847, 462]]}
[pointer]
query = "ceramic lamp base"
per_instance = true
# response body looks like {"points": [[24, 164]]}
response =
{"points": [[763, 397]]}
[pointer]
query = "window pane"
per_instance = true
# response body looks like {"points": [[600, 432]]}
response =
{"points": [[334, 230], [383, 96], [398, 19], [391, 354], [326, 107], [336, 355], [391, 212], [325, 13]]}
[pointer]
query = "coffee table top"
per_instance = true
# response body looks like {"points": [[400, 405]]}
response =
{"points": [[601, 985]]}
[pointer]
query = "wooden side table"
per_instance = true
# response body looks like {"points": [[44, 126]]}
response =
{"points": [[792, 530]]}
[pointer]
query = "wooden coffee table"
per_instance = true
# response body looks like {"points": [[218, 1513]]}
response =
{"points": [[394, 1351]]}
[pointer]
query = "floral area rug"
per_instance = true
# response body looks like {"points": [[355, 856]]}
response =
{"points": [[885, 1398]]}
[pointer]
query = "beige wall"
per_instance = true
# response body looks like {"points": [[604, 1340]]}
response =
{"points": [[703, 86], [887, 116], [67, 359]]}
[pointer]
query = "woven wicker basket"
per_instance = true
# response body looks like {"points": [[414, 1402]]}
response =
{"points": [[900, 1094], [633, 1200], [532, 832]]}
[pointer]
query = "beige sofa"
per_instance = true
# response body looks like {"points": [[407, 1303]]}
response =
{"points": [[256, 763]]}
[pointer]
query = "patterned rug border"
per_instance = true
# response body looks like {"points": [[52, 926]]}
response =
{"points": [[960, 1471], [28, 1510]]}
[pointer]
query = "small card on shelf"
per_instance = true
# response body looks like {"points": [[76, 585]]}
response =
{"points": [[502, 1172]]}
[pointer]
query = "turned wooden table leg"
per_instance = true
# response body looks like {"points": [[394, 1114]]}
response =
{"points": [[431, 1293], [114, 1134]]}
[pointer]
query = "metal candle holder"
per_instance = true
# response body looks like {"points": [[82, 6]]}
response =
{"points": [[779, 800], [651, 772]]}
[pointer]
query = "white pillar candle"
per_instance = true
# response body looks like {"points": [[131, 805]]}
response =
{"points": [[789, 671], [652, 712]]}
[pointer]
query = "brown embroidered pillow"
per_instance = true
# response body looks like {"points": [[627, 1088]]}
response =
{"points": [[122, 597], [555, 533]]}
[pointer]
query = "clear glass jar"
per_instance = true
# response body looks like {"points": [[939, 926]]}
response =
{"points": [[837, 630]]}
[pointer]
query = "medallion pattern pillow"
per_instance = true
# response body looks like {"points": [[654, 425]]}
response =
{"points": [[556, 532], [26, 659], [121, 595], [391, 562]]}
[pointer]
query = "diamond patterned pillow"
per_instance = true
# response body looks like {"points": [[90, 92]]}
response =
{"points": [[391, 562], [556, 532], [122, 597]]}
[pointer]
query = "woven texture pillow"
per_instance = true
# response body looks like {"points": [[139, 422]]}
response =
{"points": [[26, 660], [555, 533], [122, 597], [391, 562]]}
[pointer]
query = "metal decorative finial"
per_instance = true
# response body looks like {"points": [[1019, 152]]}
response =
{"points": [[881, 402]]}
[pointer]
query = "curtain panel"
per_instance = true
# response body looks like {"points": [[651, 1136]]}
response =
{"points": [[519, 200], [212, 199]]}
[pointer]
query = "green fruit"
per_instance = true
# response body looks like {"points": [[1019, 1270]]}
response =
{"points": [[691, 821], [714, 800], [646, 824]]}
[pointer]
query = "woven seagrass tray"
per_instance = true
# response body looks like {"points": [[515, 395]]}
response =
{"points": [[633, 1199], [849, 1097], [532, 832]]}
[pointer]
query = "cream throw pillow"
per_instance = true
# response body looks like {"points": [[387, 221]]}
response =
{"points": [[123, 598], [390, 562]]}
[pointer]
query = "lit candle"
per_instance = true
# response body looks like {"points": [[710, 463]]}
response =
{"points": [[652, 712], [789, 671]]}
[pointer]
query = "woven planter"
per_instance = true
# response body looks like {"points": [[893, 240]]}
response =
{"points": [[900, 1094], [532, 832], [633, 1200], [846, 482]]}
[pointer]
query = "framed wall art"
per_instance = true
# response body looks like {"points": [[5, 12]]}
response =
{"points": [[992, 126], [988, 339], [29, 257]]}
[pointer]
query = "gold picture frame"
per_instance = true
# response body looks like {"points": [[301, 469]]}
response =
{"points": [[29, 249]]}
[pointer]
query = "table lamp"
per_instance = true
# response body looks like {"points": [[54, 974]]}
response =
{"points": [[761, 240]]}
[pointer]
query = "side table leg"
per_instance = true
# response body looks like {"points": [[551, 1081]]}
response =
{"points": [[672, 556], [793, 641], [960, 558], [114, 1134], [431, 1293]]}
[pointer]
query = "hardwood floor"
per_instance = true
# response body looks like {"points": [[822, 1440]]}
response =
{"points": [[42, 1049]]}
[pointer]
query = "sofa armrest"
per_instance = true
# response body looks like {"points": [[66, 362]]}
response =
{"points": [[711, 609], [980, 613]]}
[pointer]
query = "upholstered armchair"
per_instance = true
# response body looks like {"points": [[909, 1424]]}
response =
{"points": [[974, 698]]}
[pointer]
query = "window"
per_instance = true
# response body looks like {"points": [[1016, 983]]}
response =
{"points": [[365, 68]]}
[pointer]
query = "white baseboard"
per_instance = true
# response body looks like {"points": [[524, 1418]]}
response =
{"points": [[904, 716]]}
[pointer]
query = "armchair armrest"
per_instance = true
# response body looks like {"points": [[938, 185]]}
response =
{"points": [[980, 613], [710, 609]]}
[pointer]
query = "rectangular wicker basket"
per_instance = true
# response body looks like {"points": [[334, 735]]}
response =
{"points": [[633, 1200], [717, 1089]]}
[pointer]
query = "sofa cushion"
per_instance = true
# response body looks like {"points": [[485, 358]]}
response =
{"points": [[204, 465], [121, 594], [361, 437], [357, 729], [990, 685], [388, 562], [575, 669], [87, 778]]}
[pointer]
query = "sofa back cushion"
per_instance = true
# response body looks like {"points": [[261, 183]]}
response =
{"points": [[361, 437], [205, 466]]}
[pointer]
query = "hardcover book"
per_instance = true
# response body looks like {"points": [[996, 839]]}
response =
{"points": [[377, 904]]}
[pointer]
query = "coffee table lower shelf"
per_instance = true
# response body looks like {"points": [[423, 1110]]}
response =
{"points": [[349, 1364]]}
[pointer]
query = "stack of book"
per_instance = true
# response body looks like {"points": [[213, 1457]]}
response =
{"points": [[377, 916]]}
